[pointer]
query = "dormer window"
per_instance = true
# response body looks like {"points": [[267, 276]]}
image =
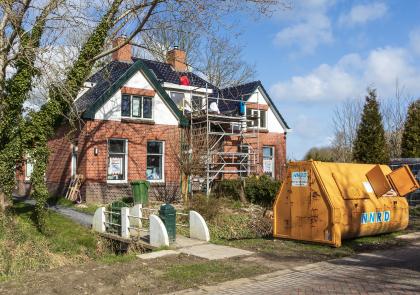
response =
{"points": [[138, 107], [258, 118]]}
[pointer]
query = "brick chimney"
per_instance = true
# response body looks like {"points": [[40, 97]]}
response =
{"points": [[177, 59], [124, 53]]}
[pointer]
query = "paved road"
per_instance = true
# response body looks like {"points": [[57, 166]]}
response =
{"points": [[78, 217], [382, 272]]}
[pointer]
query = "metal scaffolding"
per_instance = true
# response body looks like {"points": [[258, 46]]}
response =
{"points": [[228, 135]]}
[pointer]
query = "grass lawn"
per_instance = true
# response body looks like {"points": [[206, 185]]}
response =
{"points": [[24, 248]]}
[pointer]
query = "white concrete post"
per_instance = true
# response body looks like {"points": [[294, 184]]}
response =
{"points": [[125, 223], [198, 227], [98, 222], [136, 212], [157, 232]]}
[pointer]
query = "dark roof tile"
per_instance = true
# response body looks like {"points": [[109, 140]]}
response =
{"points": [[165, 73], [102, 79]]}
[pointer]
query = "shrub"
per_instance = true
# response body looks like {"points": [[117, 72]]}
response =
{"points": [[261, 190], [227, 188], [209, 208], [168, 192], [227, 223], [245, 224]]}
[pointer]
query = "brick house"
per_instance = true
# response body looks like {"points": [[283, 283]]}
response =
{"points": [[133, 110]]}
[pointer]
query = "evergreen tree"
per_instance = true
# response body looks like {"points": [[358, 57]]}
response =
{"points": [[410, 142], [370, 144]]}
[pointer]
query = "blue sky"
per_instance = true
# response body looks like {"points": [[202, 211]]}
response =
{"points": [[321, 52]]}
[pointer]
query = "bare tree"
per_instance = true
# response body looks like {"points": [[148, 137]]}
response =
{"points": [[166, 36], [190, 151], [345, 120], [394, 111], [212, 56], [224, 66]]}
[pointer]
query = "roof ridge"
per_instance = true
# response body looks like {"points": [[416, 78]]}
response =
{"points": [[152, 60], [241, 85]]}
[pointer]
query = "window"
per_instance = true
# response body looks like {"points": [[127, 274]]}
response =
{"points": [[137, 109], [197, 103], [258, 117], [263, 119], [73, 160], [155, 160], [178, 98], [136, 106], [29, 167], [268, 160], [117, 160], [125, 106]]}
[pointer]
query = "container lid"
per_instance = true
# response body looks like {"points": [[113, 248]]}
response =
{"points": [[140, 181], [167, 207]]}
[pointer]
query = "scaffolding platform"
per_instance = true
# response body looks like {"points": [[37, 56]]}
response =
{"points": [[217, 121]]}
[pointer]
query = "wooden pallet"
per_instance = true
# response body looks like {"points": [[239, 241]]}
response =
{"points": [[73, 193]]}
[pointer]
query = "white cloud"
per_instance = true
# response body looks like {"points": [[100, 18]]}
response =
{"points": [[415, 41], [310, 26], [350, 76], [361, 14]]}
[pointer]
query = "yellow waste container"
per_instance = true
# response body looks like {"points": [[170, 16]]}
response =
{"points": [[328, 202]]}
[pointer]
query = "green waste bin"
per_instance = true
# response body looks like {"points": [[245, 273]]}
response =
{"points": [[140, 189], [115, 207], [168, 215]]}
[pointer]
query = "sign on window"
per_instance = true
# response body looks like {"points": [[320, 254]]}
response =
{"points": [[115, 166]]}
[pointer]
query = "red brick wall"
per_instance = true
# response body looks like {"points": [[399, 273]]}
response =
{"points": [[59, 161], [23, 187], [94, 167], [95, 133], [276, 140]]}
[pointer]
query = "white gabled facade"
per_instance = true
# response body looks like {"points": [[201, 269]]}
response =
{"points": [[111, 109], [274, 124]]}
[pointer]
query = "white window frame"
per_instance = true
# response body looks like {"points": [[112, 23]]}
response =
{"points": [[73, 167], [142, 107], [273, 160], [163, 161], [27, 161], [125, 180], [181, 103], [258, 113]]}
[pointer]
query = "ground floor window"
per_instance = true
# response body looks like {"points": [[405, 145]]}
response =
{"points": [[73, 160], [29, 167], [117, 160], [268, 160], [155, 160]]}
